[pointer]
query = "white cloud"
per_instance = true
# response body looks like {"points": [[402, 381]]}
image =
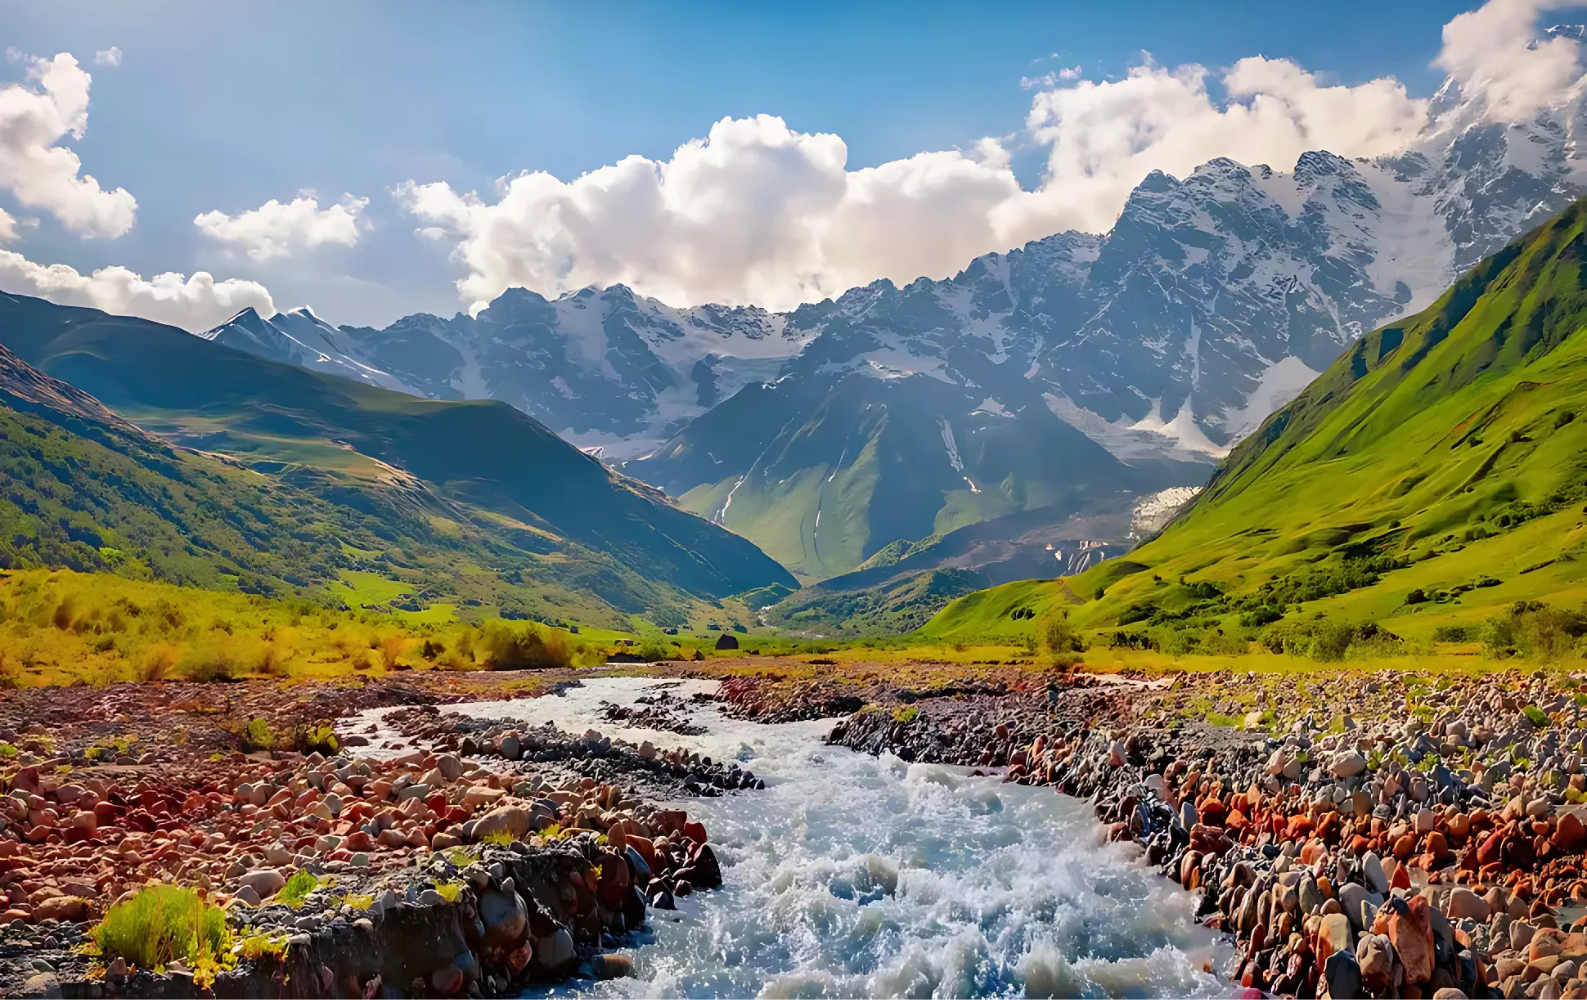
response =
{"points": [[1103, 138], [193, 303], [8, 227], [276, 230], [1495, 51], [108, 57], [41, 174], [758, 212]]}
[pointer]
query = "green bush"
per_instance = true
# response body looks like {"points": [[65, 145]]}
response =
{"points": [[1457, 633], [506, 648], [298, 886], [1534, 630], [1060, 635], [165, 923]]}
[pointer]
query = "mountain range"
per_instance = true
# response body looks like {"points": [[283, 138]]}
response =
{"points": [[1114, 365], [472, 501]]}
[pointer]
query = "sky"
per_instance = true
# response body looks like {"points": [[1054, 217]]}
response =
{"points": [[371, 160]]}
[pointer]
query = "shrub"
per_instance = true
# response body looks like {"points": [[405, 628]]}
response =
{"points": [[165, 923], [257, 946], [208, 663], [449, 891], [1416, 596], [157, 662], [1228, 644], [1534, 630], [906, 715], [1457, 633], [392, 646], [258, 736], [1257, 617], [298, 886], [1061, 636], [508, 649]]}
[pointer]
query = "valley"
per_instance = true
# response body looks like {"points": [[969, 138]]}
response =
{"points": [[795, 569]]}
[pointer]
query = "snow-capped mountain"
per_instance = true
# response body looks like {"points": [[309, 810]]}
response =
{"points": [[608, 369], [301, 338], [1213, 300]]}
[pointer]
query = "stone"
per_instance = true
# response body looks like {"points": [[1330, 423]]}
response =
{"points": [[482, 795], [612, 967], [1372, 871], [1375, 957], [555, 951], [1358, 904], [506, 919], [1464, 904], [447, 980], [248, 895], [511, 747], [1334, 935], [512, 820], [450, 766], [264, 881], [1343, 974], [1347, 764], [1570, 834], [1411, 933], [72, 908]]}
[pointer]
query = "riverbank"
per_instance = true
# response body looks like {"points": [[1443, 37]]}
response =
{"points": [[451, 859], [1356, 834]]}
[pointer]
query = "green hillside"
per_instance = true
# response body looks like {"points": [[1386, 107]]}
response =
{"points": [[1433, 474], [83, 489], [369, 448]]}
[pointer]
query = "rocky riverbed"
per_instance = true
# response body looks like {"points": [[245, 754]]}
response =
{"points": [[470, 860], [1365, 836]]}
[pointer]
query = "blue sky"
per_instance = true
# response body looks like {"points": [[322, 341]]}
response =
{"points": [[223, 107]]}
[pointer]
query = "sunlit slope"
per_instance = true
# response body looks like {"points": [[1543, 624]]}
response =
{"points": [[1443, 454]]}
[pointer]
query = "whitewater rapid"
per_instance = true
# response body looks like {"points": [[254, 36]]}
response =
{"points": [[851, 875]]}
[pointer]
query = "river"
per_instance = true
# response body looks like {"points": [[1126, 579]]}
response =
{"points": [[851, 875]]}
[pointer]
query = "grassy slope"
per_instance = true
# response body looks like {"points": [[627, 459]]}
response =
{"points": [[1449, 441], [482, 453]]}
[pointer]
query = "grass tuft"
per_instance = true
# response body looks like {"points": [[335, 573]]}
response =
{"points": [[164, 924]]}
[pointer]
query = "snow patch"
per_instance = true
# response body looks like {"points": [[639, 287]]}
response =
{"points": [[1130, 441], [1182, 430], [1281, 382], [952, 445]]}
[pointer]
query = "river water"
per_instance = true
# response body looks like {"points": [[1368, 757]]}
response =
{"points": [[851, 875]]}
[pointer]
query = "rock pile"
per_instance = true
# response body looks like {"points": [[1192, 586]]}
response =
{"points": [[437, 873], [1377, 853]]}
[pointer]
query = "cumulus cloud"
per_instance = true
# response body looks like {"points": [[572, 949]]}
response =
{"points": [[759, 212], [193, 303], [8, 227], [37, 171], [1103, 138], [277, 230], [1495, 51], [108, 57]]}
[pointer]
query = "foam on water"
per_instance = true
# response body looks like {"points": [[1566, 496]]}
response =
{"points": [[851, 875]]}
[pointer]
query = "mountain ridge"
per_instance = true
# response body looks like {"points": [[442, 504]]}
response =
{"points": [[349, 436]]}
